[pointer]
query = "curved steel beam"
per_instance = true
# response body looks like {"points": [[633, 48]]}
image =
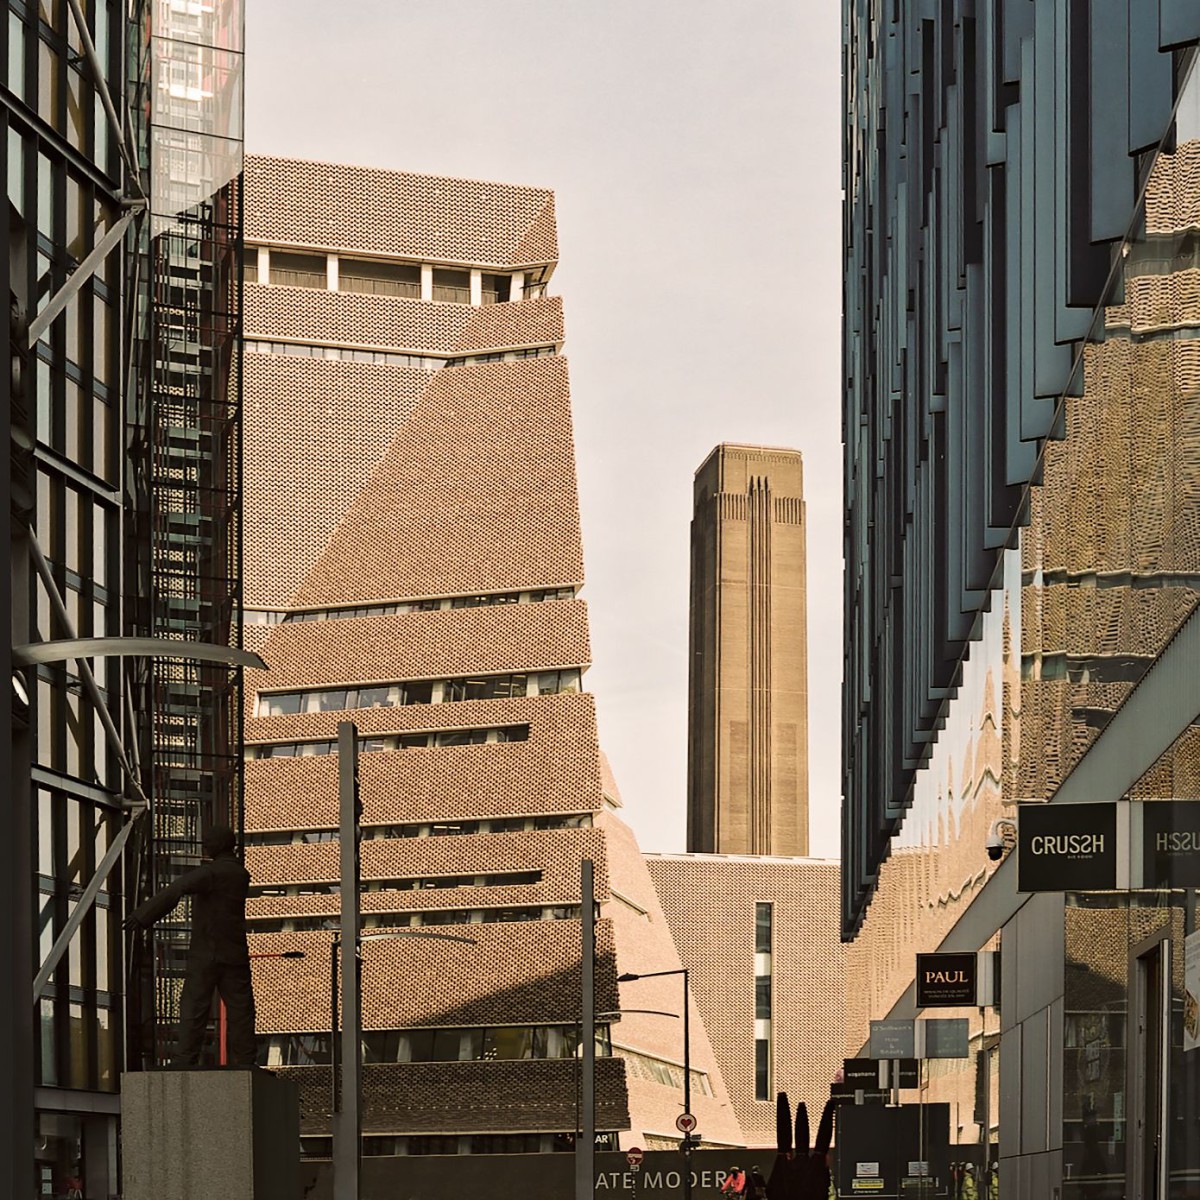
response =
{"points": [[68, 648]]}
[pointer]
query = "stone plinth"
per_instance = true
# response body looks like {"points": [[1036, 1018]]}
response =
{"points": [[196, 1135]]}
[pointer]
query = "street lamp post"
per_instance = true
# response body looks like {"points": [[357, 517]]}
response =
{"points": [[334, 946], [629, 977]]}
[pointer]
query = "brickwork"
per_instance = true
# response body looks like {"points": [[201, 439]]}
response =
{"points": [[644, 943], [335, 206], [450, 643], [556, 770], [748, 682], [709, 901], [395, 323], [433, 1097], [370, 484]]}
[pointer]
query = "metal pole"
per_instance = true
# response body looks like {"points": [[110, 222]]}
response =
{"points": [[335, 1102], [687, 1093], [585, 1147], [347, 1124]]}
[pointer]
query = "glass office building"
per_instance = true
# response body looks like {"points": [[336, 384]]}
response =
{"points": [[1023, 561], [123, 156]]}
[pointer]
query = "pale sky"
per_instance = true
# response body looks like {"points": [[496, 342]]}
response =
{"points": [[694, 147]]}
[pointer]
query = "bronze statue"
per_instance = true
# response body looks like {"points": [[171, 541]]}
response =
{"points": [[218, 958]]}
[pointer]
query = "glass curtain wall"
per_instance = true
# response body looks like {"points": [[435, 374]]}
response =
{"points": [[184, 417]]}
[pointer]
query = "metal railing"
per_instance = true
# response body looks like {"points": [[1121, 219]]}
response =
{"points": [[453, 295], [309, 279], [380, 287]]}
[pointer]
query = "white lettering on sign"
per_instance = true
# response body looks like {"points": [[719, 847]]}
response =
{"points": [[1071, 844], [1177, 840], [946, 977]]}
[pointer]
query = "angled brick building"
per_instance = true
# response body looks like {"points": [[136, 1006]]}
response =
{"points": [[413, 560]]}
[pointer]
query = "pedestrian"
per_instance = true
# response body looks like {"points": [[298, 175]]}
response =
{"points": [[218, 957], [756, 1188]]}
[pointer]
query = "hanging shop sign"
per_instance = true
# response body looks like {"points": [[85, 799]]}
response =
{"points": [[1170, 831], [947, 980], [943, 1038], [893, 1039], [1066, 847]]}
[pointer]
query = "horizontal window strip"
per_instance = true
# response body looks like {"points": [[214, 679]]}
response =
{"points": [[373, 743], [416, 920], [405, 884], [420, 691], [288, 837]]}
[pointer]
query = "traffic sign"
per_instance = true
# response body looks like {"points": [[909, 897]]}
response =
{"points": [[634, 1156], [685, 1122]]}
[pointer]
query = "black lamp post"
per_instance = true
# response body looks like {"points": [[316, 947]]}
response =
{"points": [[629, 977]]}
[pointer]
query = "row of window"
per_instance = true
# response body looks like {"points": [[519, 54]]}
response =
{"points": [[376, 1146], [288, 837], [378, 277], [401, 920], [538, 596], [408, 884], [658, 1070], [392, 358], [490, 1043], [398, 741], [764, 917], [420, 691]]}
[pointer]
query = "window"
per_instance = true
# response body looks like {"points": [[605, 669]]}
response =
{"points": [[762, 928], [762, 1069], [379, 278], [250, 264], [497, 289], [762, 997], [291, 269], [452, 286]]}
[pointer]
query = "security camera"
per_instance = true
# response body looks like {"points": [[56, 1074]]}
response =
{"points": [[995, 844]]}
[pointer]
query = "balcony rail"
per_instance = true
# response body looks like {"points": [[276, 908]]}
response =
{"points": [[381, 287], [308, 279], [452, 295]]}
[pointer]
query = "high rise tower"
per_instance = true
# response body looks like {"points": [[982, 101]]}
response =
{"points": [[748, 690], [413, 562]]}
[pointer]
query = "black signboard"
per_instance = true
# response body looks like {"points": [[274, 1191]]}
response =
{"points": [[861, 1072], [851, 1091], [902, 1073], [1066, 847], [893, 1152], [1170, 843], [947, 980]]}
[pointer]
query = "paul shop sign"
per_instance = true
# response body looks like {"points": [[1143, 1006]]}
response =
{"points": [[1066, 847], [947, 980]]}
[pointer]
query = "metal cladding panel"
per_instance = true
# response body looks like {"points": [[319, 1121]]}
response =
{"points": [[556, 771], [518, 973], [431, 217], [974, 137], [447, 643], [388, 322], [460, 1097], [477, 493]]}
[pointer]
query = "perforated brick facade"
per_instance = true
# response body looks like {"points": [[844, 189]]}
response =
{"points": [[373, 483], [710, 902]]}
